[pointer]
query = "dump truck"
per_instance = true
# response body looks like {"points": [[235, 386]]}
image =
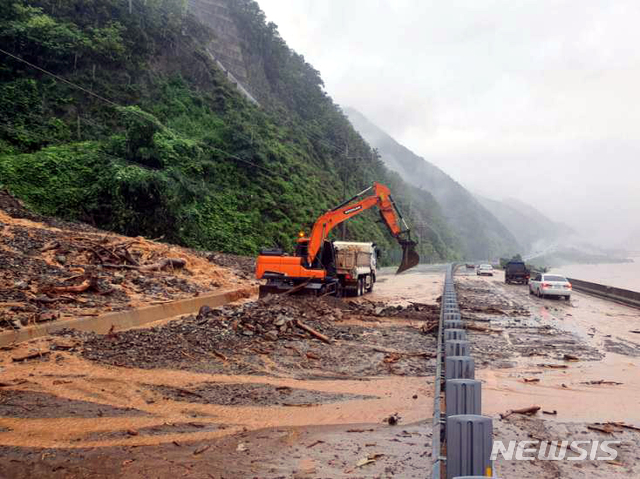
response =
{"points": [[356, 266], [516, 272], [312, 267]]}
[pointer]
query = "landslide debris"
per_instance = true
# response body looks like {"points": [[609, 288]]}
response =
{"points": [[286, 329], [50, 269]]}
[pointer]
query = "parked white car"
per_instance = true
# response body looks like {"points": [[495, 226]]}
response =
{"points": [[543, 285], [485, 269]]}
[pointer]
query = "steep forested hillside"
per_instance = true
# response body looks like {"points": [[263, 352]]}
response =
{"points": [[482, 235], [115, 113]]}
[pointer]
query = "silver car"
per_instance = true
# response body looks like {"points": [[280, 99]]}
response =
{"points": [[543, 285], [485, 270]]}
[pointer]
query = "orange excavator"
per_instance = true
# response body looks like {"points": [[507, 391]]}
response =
{"points": [[312, 267]]}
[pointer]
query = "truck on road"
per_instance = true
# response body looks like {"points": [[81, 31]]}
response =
{"points": [[356, 266], [516, 272]]}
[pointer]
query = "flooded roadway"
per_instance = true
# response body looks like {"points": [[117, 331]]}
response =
{"points": [[524, 363]]}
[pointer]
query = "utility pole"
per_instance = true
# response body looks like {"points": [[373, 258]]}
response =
{"points": [[345, 179], [344, 188]]}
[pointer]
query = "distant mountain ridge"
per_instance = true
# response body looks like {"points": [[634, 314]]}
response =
{"points": [[482, 235], [529, 226]]}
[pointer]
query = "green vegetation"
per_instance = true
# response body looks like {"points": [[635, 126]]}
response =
{"points": [[168, 147]]}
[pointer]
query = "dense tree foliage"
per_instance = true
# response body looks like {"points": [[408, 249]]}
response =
{"points": [[140, 132]]}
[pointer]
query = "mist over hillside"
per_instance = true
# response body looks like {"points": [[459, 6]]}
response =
{"points": [[481, 233], [531, 228]]}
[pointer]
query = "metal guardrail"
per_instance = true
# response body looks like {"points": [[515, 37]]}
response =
{"points": [[470, 432], [619, 295], [436, 445]]}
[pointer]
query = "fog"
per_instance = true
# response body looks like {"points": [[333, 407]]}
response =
{"points": [[537, 100]]}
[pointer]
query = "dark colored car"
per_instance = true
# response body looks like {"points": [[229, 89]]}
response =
{"points": [[516, 272]]}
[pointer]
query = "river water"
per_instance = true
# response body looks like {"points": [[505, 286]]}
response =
{"points": [[621, 275]]}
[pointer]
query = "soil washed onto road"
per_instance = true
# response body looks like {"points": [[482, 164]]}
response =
{"points": [[278, 387]]}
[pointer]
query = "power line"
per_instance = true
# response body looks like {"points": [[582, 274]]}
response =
{"points": [[117, 106]]}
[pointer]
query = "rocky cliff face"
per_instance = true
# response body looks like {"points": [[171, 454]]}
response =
{"points": [[225, 45]]}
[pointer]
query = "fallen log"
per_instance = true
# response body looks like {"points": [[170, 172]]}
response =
{"points": [[530, 411], [482, 329], [624, 425], [174, 263], [311, 331], [26, 356], [604, 429], [202, 449], [570, 357], [76, 288], [50, 246], [602, 381], [297, 288], [428, 329]]}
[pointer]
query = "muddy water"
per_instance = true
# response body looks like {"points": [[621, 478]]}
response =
{"points": [[84, 381], [565, 391], [601, 324], [422, 284], [620, 275]]}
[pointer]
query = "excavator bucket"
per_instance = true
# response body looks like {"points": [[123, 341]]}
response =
{"points": [[409, 256]]}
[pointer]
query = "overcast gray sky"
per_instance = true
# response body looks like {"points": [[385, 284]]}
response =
{"points": [[535, 99]]}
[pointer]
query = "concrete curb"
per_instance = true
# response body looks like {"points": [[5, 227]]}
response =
{"points": [[127, 319]]}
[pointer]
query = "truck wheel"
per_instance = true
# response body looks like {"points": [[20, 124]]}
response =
{"points": [[338, 291], [361, 287], [370, 287]]}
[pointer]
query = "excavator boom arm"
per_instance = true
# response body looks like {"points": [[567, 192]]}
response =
{"points": [[381, 198]]}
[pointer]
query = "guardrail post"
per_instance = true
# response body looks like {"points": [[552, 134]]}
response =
{"points": [[453, 324], [456, 348], [469, 443], [463, 396], [455, 334], [459, 367]]}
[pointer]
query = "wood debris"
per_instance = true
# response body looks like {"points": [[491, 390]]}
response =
{"points": [[529, 411]]}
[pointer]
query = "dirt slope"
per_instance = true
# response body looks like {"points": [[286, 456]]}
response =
{"points": [[50, 269]]}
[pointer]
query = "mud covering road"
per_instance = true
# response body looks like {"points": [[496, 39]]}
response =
{"points": [[578, 360], [248, 390]]}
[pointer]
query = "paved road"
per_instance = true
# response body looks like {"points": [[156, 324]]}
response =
{"points": [[533, 335]]}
